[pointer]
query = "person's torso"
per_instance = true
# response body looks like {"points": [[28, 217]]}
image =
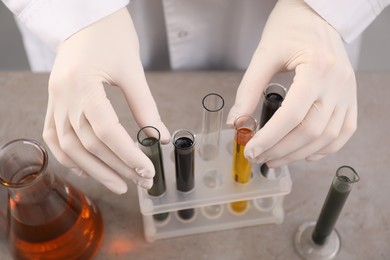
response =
{"points": [[202, 34]]}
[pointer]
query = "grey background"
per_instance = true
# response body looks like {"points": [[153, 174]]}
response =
{"points": [[375, 54]]}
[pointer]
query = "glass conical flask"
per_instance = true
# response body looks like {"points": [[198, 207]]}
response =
{"points": [[47, 217]]}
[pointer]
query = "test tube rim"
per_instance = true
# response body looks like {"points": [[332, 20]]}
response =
{"points": [[42, 171], [275, 84], [185, 130], [245, 115], [152, 143], [213, 110], [355, 174]]}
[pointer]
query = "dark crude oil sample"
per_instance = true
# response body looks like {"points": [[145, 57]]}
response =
{"points": [[330, 212], [184, 164], [152, 149], [186, 214], [273, 98], [149, 140], [75, 233], [320, 239], [155, 156], [184, 142], [271, 103]]}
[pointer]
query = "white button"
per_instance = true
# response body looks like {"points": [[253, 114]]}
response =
{"points": [[182, 34]]}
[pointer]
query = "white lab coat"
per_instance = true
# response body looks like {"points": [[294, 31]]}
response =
{"points": [[180, 34]]}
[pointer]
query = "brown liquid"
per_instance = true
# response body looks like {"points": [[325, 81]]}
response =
{"points": [[242, 169], [239, 206], [76, 233], [241, 166]]}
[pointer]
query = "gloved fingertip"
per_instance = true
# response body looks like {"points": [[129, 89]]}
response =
{"points": [[275, 164], [118, 188], [250, 154], [252, 161], [145, 183], [78, 172], [230, 118], [315, 157], [229, 123], [255, 154], [166, 138], [145, 173], [165, 135]]}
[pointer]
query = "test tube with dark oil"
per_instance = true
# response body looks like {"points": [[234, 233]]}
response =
{"points": [[273, 97], [245, 128], [184, 144], [149, 142], [320, 240]]}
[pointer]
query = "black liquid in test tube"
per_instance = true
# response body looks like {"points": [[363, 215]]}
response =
{"points": [[149, 142], [334, 202], [273, 98], [274, 95], [184, 164], [159, 186], [186, 214], [184, 142]]}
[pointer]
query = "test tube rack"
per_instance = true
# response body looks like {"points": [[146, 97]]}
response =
{"points": [[214, 190]]}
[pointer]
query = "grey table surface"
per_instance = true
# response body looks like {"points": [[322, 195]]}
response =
{"points": [[364, 224]]}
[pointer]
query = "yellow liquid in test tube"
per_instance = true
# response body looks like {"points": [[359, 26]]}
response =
{"points": [[241, 167]]}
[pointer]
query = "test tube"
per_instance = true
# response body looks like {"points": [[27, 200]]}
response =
{"points": [[211, 127], [184, 143], [273, 95], [334, 202], [320, 240], [149, 143], [149, 140], [245, 128]]}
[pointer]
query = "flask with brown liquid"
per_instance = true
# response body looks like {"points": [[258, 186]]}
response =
{"points": [[47, 217]]}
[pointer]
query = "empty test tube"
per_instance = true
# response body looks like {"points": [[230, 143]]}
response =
{"points": [[211, 127]]}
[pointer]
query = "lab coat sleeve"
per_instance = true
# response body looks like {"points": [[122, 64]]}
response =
{"points": [[349, 17], [53, 21]]}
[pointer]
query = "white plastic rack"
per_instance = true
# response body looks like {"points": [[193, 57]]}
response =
{"points": [[214, 190]]}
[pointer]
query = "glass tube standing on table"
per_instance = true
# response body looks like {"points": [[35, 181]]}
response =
{"points": [[337, 195], [211, 127], [149, 142], [245, 128], [320, 240], [184, 143], [274, 95]]}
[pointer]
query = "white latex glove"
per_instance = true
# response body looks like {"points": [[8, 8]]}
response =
{"points": [[319, 113], [81, 127]]}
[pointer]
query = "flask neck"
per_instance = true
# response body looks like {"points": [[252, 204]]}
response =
{"points": [[24, 170], [36, 187]]}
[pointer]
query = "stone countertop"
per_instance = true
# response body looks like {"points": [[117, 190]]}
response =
{"points": [[364, 224]]}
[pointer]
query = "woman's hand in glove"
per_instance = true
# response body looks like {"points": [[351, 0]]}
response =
{"points": [[319, 113], [81, 127]]}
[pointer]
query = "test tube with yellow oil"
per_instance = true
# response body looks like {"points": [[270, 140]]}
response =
{"points": [[245, 128]]}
